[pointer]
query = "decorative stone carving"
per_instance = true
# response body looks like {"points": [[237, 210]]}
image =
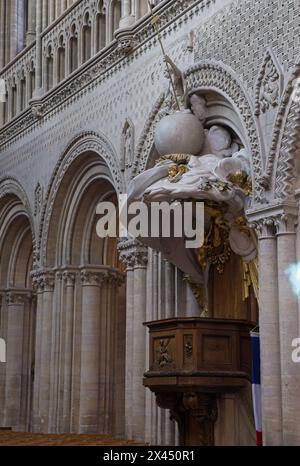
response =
{"points": [[132, 253], [37, 109], [125, 40], [286, 171], [38, 199], [91, 278], [69, 278], [274, 219], [43, 281], [269, 84], [212, 75], [18, 296], [127, 148], [216, 175]]}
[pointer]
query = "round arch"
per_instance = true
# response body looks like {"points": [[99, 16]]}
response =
{"points": [[88, 160]]}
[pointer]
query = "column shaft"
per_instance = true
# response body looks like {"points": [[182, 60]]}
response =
{"points": [[270, 343]]}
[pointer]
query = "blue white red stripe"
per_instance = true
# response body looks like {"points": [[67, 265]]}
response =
{"points": [[256, 386]]}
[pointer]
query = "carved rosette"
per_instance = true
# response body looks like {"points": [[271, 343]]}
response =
{"points": [[132, 253]]}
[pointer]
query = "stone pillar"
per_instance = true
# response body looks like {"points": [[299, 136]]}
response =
{"points": [[31, 14], [269, 332], [15, 358], [52, 10], [2, 34], [279, 322], [44, 10], [38, 91], [13, 30], [67, 349], [44, 284], [98, 350], [135, 257], [90, 339], [127, 18], [289, 325]]}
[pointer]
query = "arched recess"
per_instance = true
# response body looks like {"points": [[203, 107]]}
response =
{"points": [[17, 306], [83, 143], [87, 295]]}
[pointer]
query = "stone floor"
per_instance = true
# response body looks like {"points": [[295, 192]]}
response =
{"points": [[8, 438]]}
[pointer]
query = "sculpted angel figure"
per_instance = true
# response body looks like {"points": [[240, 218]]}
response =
{"points": [[201, 163]]}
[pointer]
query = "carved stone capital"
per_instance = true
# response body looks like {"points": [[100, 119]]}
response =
{"points": [[16, 296], [274, 219], [91, 277], [114, 278], [132, 253], [43, 281], [69, 278]]}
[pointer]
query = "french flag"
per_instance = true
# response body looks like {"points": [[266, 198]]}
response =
{"points": [[256, 387]]}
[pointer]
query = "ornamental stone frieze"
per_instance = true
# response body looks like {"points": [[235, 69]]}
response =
{"points": [[132, 253]]}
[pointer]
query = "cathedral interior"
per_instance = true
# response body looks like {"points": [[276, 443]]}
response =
{"points": [[168, 100]]}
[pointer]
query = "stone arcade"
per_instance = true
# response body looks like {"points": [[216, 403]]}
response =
{"points": [[118, 337]]}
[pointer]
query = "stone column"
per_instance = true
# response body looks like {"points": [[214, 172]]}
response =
{"points": [[127, 18], [52, 10], [90, 359], [38, 91], [278, 322], [44, 9], [14, 400], [31, 14], [12, 37], [269, 331], [289, 325], [135, 257], [67, 349], [2, 33], [44, 284]]}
